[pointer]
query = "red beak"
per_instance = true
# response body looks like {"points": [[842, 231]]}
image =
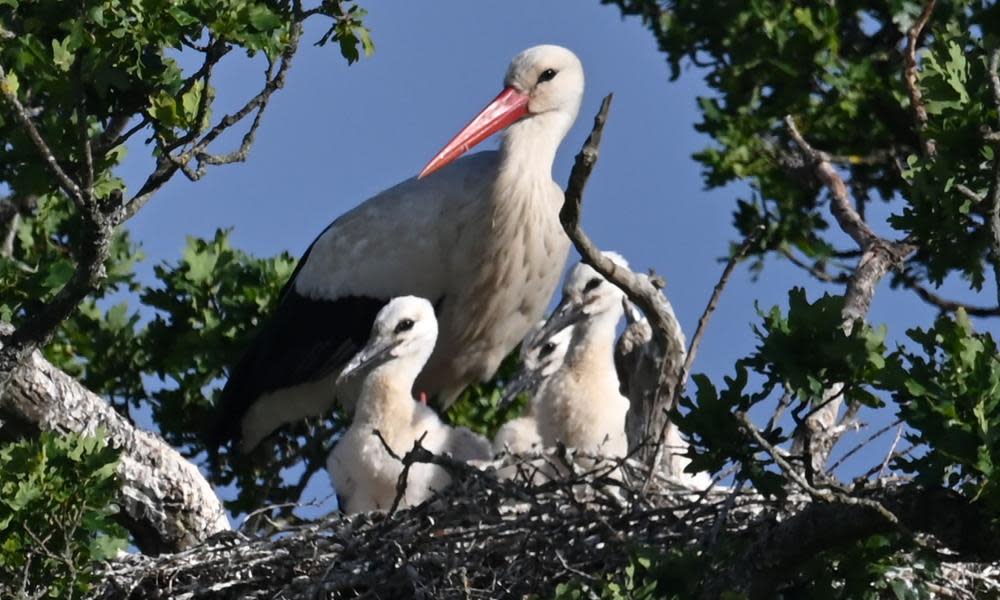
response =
{"points": [[506, 108]]}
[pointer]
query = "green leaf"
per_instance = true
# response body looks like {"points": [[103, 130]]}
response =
{"points": [[59, 274], [262, 18], [61, 55]]}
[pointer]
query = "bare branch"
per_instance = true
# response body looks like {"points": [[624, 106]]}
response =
{"points": [[864, 443], [840, 204], [822, 494], [168, 164], [994, 206], [911, 80], [713, 302], [942, 303], [818, 435], [814, 269], [21, 114]]}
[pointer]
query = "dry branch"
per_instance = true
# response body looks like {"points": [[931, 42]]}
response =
{"points": [[650, 402], [994, 197], [817, 436], [910, 78]]}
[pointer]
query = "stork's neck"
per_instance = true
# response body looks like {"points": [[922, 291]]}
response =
{"points": [[529, 146], [592, 345], [386, 402]]}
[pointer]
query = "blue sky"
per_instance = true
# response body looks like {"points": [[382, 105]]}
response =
{"points": [[337, 134]]}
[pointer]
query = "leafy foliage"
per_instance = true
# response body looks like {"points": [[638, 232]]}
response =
{"points": [[802, 354], [56, 514], [92, 77], [637, 580], [838, 69], [949, 395]]}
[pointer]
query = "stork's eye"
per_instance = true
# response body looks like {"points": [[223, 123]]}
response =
{"points": [[593, 283], [547, 75], [547, 349], [404, 325]]}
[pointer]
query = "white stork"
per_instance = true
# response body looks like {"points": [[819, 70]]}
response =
{"points": [[480, 238], [540, 358], [363, 472], [581, 404]]}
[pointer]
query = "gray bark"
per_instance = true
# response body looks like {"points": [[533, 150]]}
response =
{"points": [[166, 503]]}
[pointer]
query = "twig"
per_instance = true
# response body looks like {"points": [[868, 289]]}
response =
{"points": [[814, 270], [21, 114], [871, 438], [823, 494], [942, 303], [713, 303], [910, 78], [892, 450], [699, 333]]}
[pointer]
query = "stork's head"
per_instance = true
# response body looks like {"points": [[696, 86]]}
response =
{"points": [[587, 296], [586, 289], [540, 358], [543, 356], [541, 80], [404, 332], [549, 77]]}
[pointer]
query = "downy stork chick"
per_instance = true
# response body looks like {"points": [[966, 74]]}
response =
{"points": [[480, 238], [581, 405], [540, 358], [363, 472]]}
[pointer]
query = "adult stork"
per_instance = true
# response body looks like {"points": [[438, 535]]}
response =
{"points": [[478, 236]]}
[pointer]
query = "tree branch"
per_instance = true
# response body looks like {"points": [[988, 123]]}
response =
{"points": [[946, 305], [640, 290], [994, 206], [68, 186], [165, 502], [911, 80], [818, 435]]}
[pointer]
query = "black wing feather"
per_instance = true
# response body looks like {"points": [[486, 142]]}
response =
{"points": [[305, 340]]}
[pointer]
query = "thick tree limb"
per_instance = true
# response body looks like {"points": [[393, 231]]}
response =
{"points": [[781, 546], [166, 503]]}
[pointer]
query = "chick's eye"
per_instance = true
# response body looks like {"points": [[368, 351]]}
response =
{"points": [[593, 283], [547, 349], [546, 75], [404, 325]]}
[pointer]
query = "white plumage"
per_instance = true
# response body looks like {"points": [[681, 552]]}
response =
{"points": [[480, 239], [540, 358], [363, 472], [581, 404]]}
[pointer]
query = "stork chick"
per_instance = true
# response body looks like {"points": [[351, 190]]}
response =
{"points": [[363, 472], [581, 404], [540, 358]]}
